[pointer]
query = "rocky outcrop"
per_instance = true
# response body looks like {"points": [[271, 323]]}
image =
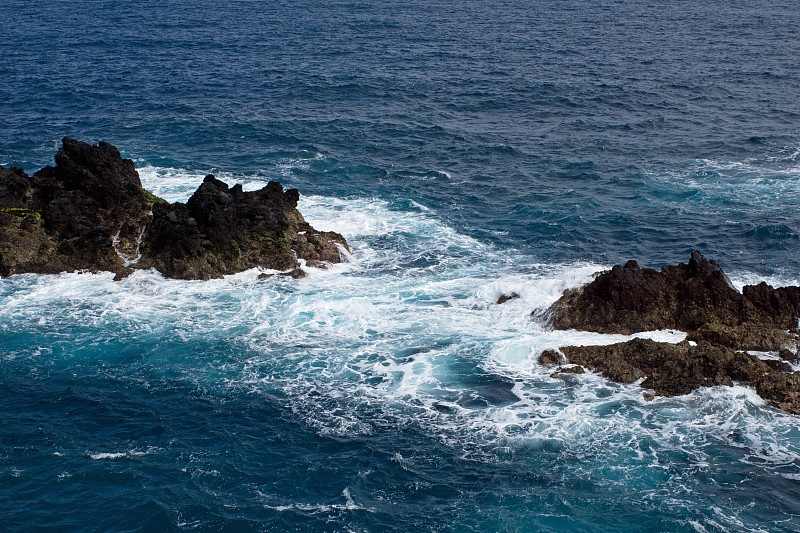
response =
{"points": [[68, 217], [696, 297], [722, 324], [507, 298], [223, 230], [91, 212], [671, 370]]}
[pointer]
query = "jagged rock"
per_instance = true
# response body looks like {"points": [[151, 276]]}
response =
{"points": [[788, 355], [721, 323], [672, 370], [67, 217], [506, 297], [745, 336], [550, 357], [695, 297], [628, 299], [782, 389], [15, 190], [780, 304], [563, 370], [669, 369], [91, 212], [296, 273], [223, 230], [778, 365]]}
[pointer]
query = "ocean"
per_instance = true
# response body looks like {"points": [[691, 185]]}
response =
{"points": [[465, 150]]}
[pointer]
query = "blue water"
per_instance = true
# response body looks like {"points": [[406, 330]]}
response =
{"points": [[465, 150]]}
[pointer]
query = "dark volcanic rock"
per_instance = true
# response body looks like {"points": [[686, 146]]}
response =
{"points": [[781, 304], [15, 190], [550, 357], [628, 299], [91, 212], [782, 389], [564, 370], [691, 297], [68, 217], [744, 336], [669, 369], [507, 297], [679, 369], [223, 230], [698, 298]]}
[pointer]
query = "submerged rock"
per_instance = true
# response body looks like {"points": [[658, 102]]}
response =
{"points": [[721, 324], [91, 212], [565, 370]]}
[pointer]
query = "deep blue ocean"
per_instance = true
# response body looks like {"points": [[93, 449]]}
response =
{"points": [[465, 150]]}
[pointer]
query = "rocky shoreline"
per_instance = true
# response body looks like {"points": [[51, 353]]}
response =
{"points": [[90, 212], [723, 325]]}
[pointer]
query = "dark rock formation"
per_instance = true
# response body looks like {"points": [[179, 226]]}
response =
{"points": [[565, 370], [91, 212], [672, 370], [698, 298], [67, 217], [223, 230], [507, 297], [781, 305], [297, 273], [550, 357]]}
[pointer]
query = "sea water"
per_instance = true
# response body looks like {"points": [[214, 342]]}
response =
{"points": [[465, 150]]}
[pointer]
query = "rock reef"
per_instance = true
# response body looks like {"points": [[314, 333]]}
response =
{"points": [[90, 212], [722, 325]]}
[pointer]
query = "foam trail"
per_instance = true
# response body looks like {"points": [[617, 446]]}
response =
{"points": [[408, 333]]}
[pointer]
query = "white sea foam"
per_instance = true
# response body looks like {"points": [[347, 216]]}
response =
{"points": [[709, 186], [408, 331], [770, 167], [118, 455], [104, 455], [419, 206], [348, 505], [177, 185], [740, 279], [171, 184]]}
